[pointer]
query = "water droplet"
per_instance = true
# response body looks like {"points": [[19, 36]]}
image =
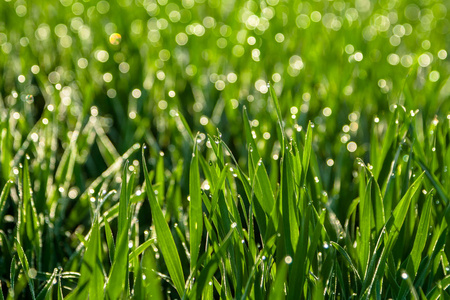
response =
{"points": [[32, 273], [234, 225], [288, 260], [326, 245], [404, 275], [29, 99]]}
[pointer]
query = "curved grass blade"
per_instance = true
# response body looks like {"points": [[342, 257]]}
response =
{"points": [[47, 289], [347, 257], [142, 247]]}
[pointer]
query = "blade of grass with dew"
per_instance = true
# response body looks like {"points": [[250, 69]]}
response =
{"points": [[259, 212], [151, 282], [5, 154], [195, 209], [388, 139], [142, 247], [12, 273], [118, 274], [442, 285], [290, 230], [400, 211], [365, 226], [297, 272], [25, 267], [164, 236], [347, 258], [277, 288], [393, 227], [208, 271], [106, 147], [306, 154], [436, 184], [159, 177], [30, 217], [263, 189], [3, 198], [420, 240], [186, 126], [109, 241], [46, 291], [91, 280], [97, 280]]}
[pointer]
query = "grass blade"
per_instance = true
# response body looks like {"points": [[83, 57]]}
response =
{"points": [[195, 209], [164, 236], [26, 267], [118, 275]]}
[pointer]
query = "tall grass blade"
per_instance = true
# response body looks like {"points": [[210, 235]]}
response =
{"points": [[116, 286], [164, 236], [195, 209], [25, 266]]}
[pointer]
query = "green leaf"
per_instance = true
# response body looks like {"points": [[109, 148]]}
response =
{"points": [[307, 153], [290, 226], [347, 257], [45, 292], [164, 236], [365, 226], [29, 215], [3, 198], [401, 210], [118, 276], [415, 256], [263, 189], [195, 209], [109, 240], [142, 247], [25, 266]]}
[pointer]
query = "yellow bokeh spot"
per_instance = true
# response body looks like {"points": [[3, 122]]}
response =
{"points": [[115, 39]]}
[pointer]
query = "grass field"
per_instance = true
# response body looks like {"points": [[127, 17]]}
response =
{"points": [[206, 149]]}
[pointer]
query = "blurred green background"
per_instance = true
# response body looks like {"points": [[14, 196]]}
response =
{"points": [[82, 82]]}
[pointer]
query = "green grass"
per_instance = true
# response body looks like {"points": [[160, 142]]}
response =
{"points": [[220, 149]]}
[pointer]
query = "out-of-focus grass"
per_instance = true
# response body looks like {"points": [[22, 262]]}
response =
{"points": [[262, 197]]}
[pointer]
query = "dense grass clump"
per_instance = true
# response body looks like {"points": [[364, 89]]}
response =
{"points": [[224, 149]]}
